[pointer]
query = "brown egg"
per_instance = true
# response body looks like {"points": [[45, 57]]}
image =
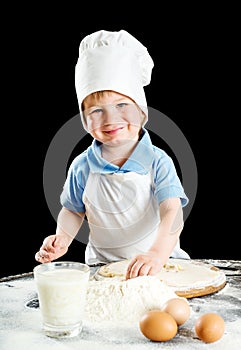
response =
{"points": [[178, 308], [158, 325], [210, 327]]}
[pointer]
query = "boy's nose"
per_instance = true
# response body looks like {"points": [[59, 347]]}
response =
{"points": [[111, 114]]}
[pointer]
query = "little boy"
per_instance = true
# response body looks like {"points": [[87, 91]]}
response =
{"points": [[127, 188]]}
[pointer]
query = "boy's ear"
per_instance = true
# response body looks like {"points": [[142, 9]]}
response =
{"points": [[144, 117]]}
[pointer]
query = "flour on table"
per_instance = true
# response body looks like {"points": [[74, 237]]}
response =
{"points": [[125, 301]]}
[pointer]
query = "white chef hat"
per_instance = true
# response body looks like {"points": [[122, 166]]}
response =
{"points": [[113, 61]]}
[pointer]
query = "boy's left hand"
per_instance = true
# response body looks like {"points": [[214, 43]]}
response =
{"points": [[144, 264]]}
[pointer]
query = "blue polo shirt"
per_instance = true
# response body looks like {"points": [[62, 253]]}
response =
{"points": [[144, 159]]}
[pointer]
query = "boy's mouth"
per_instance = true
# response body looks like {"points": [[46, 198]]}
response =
{"points": [[114, 131]]}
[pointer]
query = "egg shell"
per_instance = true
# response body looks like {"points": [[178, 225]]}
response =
{"points": [[178, 308], [157, 325], [210, 327]]}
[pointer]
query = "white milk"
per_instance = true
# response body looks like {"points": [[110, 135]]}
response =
{"points": [[62, 295]]}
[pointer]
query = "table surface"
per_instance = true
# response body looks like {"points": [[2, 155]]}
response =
{"points": [[20, 320]]}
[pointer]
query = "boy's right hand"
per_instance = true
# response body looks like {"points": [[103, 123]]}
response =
{"points": [[53, 247]]}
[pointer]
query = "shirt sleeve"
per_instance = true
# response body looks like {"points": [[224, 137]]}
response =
{"points": [[71, 196], [166, 181]]}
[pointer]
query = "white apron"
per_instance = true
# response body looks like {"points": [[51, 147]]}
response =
{"points": [[123, 216]]}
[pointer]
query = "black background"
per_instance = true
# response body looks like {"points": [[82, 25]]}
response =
{"points": [[192, 83]]}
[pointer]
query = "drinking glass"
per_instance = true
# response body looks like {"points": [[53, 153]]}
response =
{"points": [[62, 288]]}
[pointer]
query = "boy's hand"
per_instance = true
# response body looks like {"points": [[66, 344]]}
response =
{"points": [[53, 247], [144, 264]]}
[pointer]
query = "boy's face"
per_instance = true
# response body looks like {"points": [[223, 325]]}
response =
{"points": [[112, 118]]}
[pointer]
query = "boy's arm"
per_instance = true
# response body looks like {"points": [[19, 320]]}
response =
{"points": [[170, 228], [69, 223], [55, 246]]}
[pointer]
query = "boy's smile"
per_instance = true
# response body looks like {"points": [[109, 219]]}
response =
{"points": [[113, 131]]}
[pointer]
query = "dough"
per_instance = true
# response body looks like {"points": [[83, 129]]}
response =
{"points": [[186, 277], [118, 269]]}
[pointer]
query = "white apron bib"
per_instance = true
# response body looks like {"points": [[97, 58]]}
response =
{"points": [[123, 216]]}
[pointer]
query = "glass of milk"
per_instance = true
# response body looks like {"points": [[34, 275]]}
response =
{"points": [[62, 288]]}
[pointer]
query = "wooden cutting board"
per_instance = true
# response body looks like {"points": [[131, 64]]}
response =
{"points": [[188, 278]]}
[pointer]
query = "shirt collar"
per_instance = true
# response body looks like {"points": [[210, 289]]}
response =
{"points": [[140, 160]]}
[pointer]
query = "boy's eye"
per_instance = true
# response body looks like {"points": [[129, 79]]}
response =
{"points": [[96, 111], [121, 105]]}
